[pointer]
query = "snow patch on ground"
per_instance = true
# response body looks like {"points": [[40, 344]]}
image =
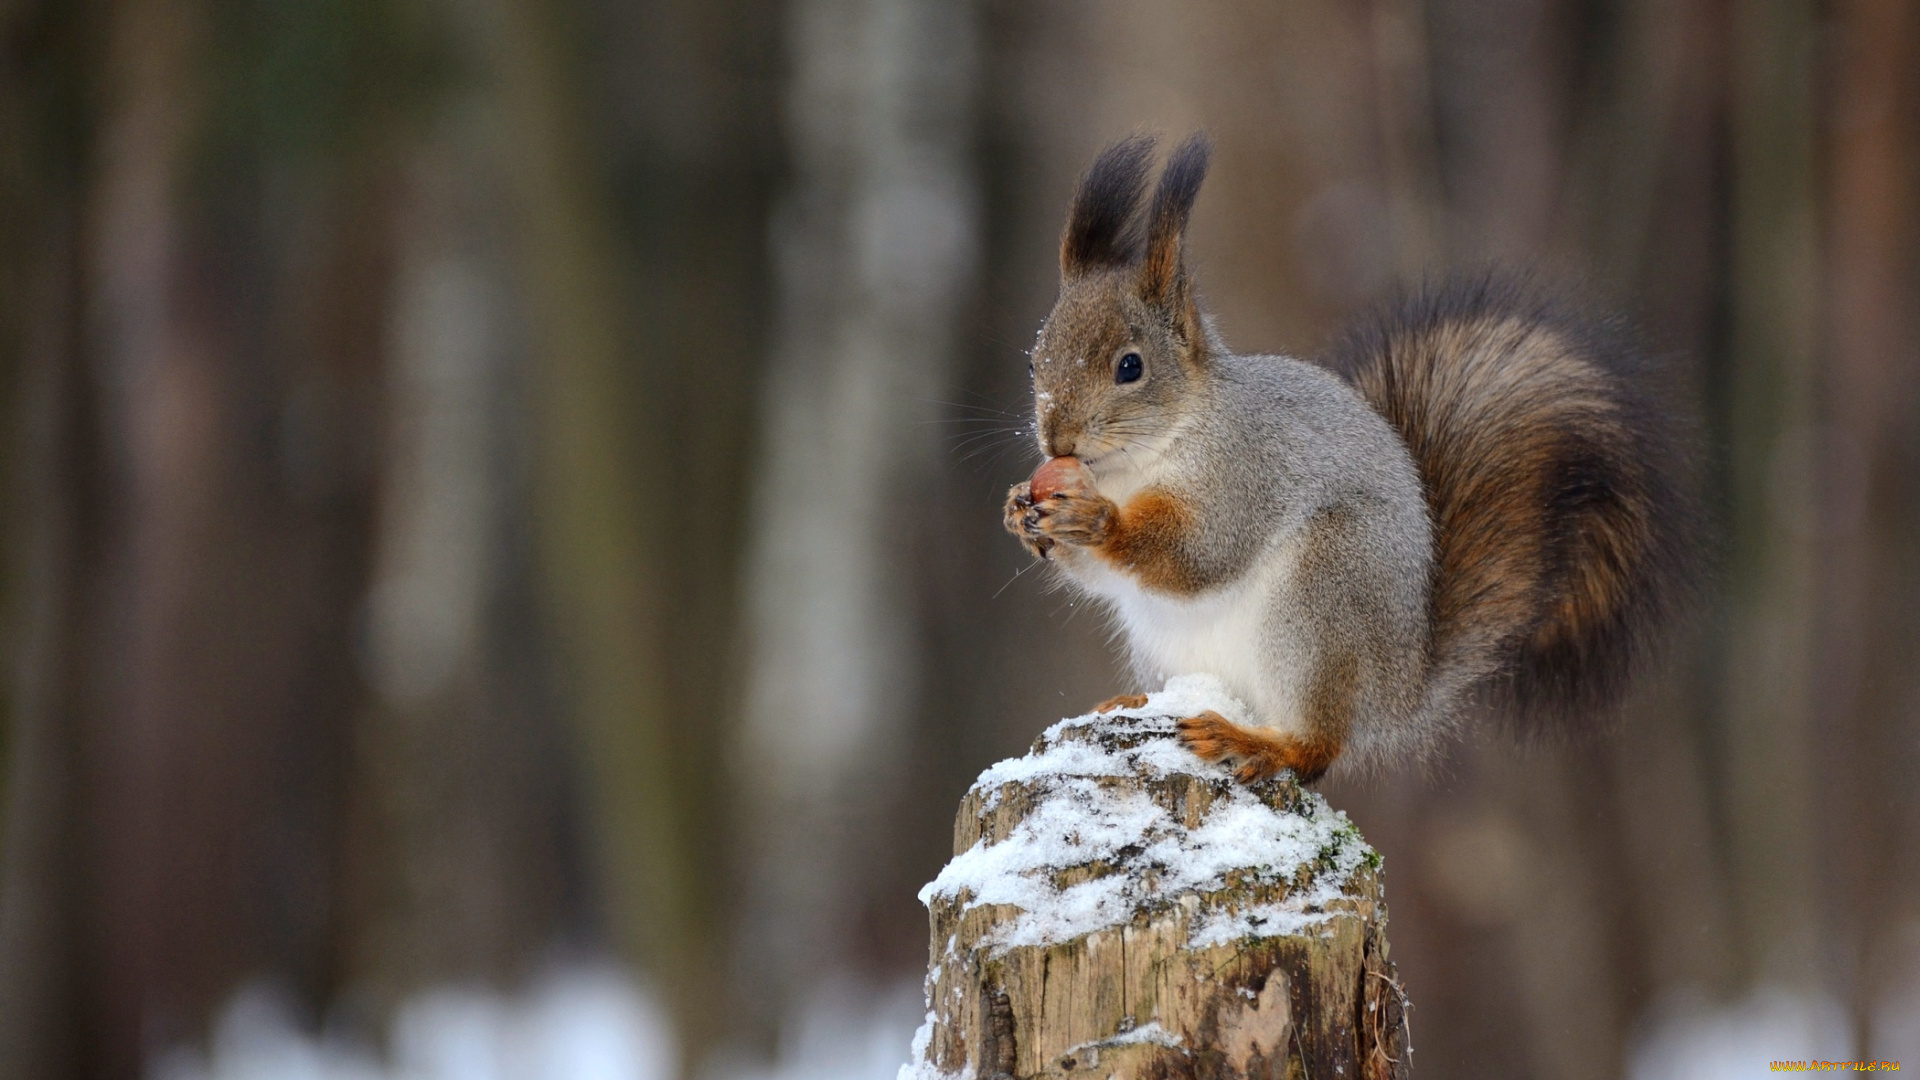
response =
{"points": [[1142, 852], [1896, 1025], [1691, 1038], [577, 1024], [845, 1033]]}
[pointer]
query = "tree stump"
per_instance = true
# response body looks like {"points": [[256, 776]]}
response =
{"points": [[1118, 908]]}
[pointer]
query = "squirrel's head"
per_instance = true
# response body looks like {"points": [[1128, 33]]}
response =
{"points": [[1124, 348]]}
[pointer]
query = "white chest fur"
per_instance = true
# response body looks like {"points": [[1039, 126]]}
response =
{"points": [[1231, 633]]}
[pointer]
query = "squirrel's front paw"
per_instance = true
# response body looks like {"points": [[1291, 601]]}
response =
{"points": [[1019, 520], [1078, 516]]}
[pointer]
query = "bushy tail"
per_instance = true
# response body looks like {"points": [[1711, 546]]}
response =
{"points": [[1559, 485]]}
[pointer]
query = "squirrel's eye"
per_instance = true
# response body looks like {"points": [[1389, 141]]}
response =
{"points": [[1128, 369]]}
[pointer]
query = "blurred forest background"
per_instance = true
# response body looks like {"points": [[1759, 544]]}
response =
{"points": [[495, 488]]}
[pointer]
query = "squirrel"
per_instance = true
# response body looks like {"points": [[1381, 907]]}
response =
{"points": [[1473, 504]]}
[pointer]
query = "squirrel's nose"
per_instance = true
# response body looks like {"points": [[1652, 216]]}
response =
{"points": [[1056, 437]]}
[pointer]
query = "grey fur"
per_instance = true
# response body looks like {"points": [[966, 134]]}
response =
{"points": [[1483, 509], [1279, 458]]}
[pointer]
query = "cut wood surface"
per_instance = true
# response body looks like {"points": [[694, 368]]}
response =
{"points": [[1117, 907]]}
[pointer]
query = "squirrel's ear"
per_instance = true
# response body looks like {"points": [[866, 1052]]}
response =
{"points": [[1101, 231], [1162, 272]]}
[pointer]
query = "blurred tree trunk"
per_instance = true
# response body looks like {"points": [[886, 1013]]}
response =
{"points": [[463, 862], [646, 297], [1502, 99], [1773, 452], [874, 251], [209, 509], [684, 103], [599, 484], [52, 532], [1870, 497]]}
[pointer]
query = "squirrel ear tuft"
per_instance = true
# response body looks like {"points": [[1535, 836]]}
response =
{"points": [[1101, 231], [1161, 271]]}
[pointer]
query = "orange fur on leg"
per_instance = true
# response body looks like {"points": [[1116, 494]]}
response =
{"points": [[1260, 753], [1150, 539], [1123, 701]]}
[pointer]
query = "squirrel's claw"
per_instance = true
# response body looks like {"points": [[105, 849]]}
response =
{"points": [[1084, 518], [1019, 518], [1080, 518], [1260, 753], [1209, 735], [1214, 738]]}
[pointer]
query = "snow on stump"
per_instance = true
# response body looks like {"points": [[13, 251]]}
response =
{"points": [[1118, 908]]}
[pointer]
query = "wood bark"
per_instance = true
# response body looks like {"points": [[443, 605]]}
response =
{"points": [[1160, 991]]}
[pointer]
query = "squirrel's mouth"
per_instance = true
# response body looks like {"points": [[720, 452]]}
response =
{"points": [[1115, 453], [1092, 457], [1110, 462]]}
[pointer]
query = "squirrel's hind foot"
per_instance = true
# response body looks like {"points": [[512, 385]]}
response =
{"points": [[1260, 754]]}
